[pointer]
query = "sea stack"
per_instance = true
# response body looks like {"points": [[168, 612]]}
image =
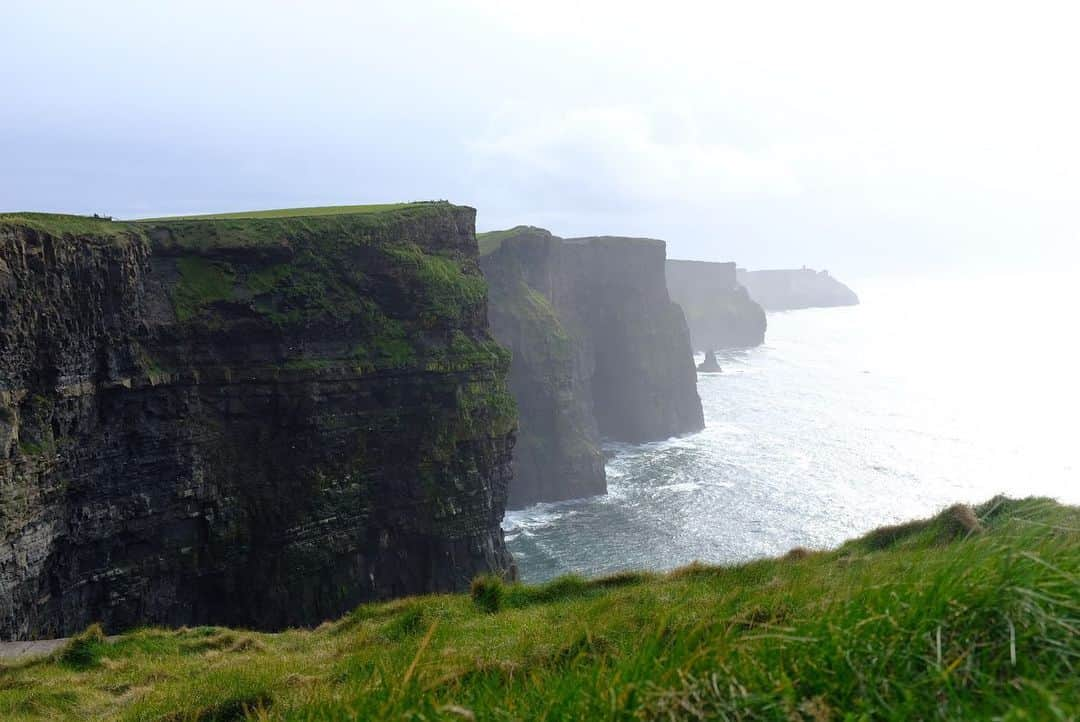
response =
{"points": [[709, 364]]}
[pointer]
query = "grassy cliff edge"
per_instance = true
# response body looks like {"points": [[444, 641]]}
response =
{"points": [[969, 615]]}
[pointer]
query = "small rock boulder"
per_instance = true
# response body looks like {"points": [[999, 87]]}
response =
{"points": [[709, 365]]}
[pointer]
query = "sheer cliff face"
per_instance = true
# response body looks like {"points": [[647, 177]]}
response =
{"points": [[719, 311], [599, 350], [557, 455], [256, 422], [645, 385], [784, 290]]}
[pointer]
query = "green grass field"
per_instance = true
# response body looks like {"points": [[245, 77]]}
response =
{"points": [[61, 223], [289, 212], [340, 224], [971, 615]]}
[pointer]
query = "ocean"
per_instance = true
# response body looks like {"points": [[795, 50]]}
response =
{"points": [[930, 392]]}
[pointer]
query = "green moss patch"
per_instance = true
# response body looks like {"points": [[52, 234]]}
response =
{"points": [[444, 291], [202, 282]]}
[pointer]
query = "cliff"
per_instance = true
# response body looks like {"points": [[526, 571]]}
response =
{"points": [[256, 421], [645, 385], [784, 290], [557, 455], [598, 349], [719, 311]]}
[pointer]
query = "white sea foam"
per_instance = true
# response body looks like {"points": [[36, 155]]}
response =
{"points": [[804, 448]]}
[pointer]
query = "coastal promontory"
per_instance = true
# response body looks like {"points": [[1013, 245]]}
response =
{"points": [[258, 420], [786, 290]]}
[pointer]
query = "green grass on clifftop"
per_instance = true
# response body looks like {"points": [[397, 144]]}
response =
{"points": [[289, 212], [971, 615], [491, 241], [62, 223], [244, 228]]}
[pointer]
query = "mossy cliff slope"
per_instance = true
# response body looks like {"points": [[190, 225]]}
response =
{"points": [[719, 311], [599, 351], [257, 422], [557, 455]]}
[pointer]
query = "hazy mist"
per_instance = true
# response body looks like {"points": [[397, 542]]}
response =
{"points": [[921, 137]]}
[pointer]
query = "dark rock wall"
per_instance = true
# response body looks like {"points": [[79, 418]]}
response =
{"points": [[719, 311], [248, 423], [784, 290], [645, 386], [599, 350], [557, 455]]}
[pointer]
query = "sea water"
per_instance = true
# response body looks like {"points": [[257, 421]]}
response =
{"points": [[926, 394]]}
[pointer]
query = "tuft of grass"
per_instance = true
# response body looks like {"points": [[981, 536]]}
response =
{"points": [[84, 649], [960, 519], [487, 593], [969, 615]]}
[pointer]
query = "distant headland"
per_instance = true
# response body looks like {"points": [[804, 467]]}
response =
{"points": [[785, 290]]}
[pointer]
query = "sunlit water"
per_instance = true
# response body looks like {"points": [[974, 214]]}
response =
{"points": [[927, 394]]}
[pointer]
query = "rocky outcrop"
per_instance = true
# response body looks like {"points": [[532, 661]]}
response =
{"points": [[719, 311], [254, 422], [709, 364], [784, 290], [599, 351]]}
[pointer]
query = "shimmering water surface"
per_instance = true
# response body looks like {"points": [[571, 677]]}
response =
{"points": [[849, 418]]}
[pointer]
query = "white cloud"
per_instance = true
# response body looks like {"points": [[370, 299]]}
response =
{"points": [[621, 156]]}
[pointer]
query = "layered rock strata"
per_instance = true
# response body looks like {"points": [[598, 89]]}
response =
{"points": [[256, 422]]}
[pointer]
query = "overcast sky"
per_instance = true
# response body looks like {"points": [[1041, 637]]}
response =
{"points": [[861, 137]]}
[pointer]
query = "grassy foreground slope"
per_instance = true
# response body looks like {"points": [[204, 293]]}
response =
{"points": [[971, 615]]}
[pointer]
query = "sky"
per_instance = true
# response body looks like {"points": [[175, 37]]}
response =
{"points": [[866, 138]]}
